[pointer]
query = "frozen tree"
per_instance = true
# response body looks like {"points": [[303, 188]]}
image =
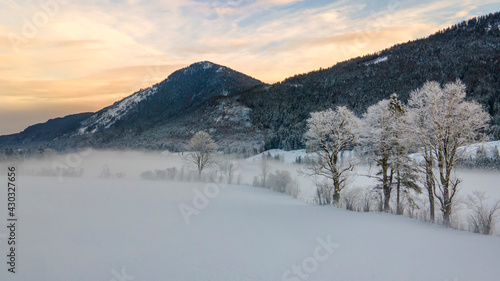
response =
{"points": [[201, 149], [328, 134], [443, 121], [419, 118], [376, 139], [405, 171], [385, 140]]}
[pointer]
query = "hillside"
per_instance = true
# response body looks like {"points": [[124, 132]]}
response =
{"points": [[181, 93], [48, 131], [245, 115], [469, 51]]}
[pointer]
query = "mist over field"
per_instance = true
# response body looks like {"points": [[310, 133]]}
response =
{"points": [[105, 218]]}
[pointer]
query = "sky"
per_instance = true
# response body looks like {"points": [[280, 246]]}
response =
{"points": [[60, 57]]}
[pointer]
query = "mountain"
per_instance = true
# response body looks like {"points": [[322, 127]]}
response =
{"points": [[469, 51], [180, 93], [245, 115], [45, 132]]}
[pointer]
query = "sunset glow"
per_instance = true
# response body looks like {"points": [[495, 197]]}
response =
{"points": [[59, 57]]}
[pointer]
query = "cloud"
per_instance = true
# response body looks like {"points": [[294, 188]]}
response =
{"points": [[465, 12], [91, 53], [24, 100]]}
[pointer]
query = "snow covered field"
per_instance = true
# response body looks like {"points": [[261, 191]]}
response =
{"points": [[91, 228]]}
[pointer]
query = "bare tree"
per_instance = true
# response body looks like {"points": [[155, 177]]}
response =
{"points": [[483, 216], [444, 121], [201, 149], [324, 192], [226, 171], [329, 133]]}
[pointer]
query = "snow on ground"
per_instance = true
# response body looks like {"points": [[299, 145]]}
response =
{"points": [[90, 228], [84, 229], [490, 149], [285, 156]]}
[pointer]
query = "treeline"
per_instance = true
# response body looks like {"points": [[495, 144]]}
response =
{"points": [[437, 122]]}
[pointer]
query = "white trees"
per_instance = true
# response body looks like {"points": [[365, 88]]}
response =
{"points": [[443, 121], [201, 149], [328, 134], [376, 139], [385, 139]]}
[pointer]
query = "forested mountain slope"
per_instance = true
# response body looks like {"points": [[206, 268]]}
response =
{"points": [[242, 113], [469, 51]]}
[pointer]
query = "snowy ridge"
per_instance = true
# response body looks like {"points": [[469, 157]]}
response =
{"points": [[205, 65], [115, 112], [377, 60], [488, 149]]}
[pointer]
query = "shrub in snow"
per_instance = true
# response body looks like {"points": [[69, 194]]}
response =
{"points": [[279, 181], [352, 198], [482, 215]]}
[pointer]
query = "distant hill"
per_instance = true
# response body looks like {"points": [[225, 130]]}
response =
{"points": [[179, 94], [469, 51], [182, 91], [45, 132], [245, 115]]}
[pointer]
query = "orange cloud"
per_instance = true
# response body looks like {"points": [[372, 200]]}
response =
{"points": [[89, 55], [33, 101]]}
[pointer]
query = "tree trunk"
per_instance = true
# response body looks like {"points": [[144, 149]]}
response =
{"points": [[336, 192], [447, 215], [446, 200], [387, 199], [399, 210], [386, 186], [431, 204], [430, 185], [336, 198]]}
